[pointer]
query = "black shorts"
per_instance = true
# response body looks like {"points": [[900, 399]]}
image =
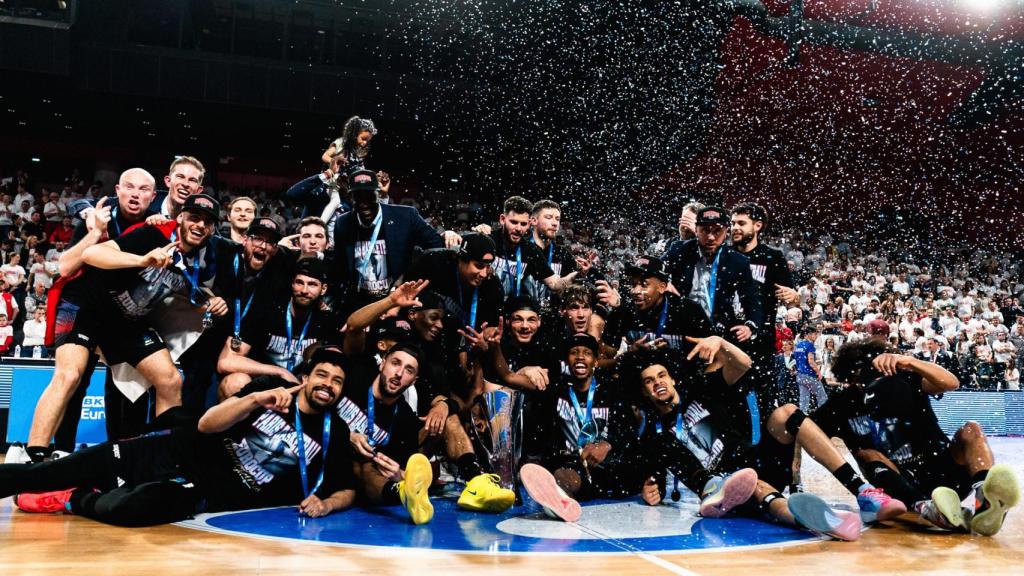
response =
{"points": [[119, 339], [616, 477], [936, 471]]}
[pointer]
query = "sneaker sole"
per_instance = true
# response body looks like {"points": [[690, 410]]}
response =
{"points": [[737, 489], [1002, 493], [541, 486], [418, 477], [815, 515], [947, 502]]}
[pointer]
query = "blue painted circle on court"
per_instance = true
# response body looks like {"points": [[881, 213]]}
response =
{"points": [[606, 527]]}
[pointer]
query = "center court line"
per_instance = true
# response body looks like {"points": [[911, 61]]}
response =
{"points": [[646, 556]]}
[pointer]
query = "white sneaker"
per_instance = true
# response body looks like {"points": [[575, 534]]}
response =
{"points": [[16, 454]]}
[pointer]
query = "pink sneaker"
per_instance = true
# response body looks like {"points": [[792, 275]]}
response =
{"points": [[44, 502], [815, 515], [723, 494], [877, 506], [544, 490]]}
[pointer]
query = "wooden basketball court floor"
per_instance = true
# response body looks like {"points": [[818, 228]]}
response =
{"points": [[68, 545]]}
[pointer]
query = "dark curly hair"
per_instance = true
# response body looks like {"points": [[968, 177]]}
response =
{"points": [[355, 126], [852, 362]]}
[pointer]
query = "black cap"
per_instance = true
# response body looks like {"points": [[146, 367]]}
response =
{"points": [[517, 303], [76, 207], [363, 180], [202, 204], [392, 328], [475, 247], [326, 355], [410, 348], [581, 339], [712, 215], [647, 267], [267, 225], [312, 267], [429, 300]]}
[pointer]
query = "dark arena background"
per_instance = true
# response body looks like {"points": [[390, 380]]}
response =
{"points": [[884, 139]]}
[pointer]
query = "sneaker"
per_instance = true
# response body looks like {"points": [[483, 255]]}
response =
{"points": [[413, 490], [484, 494], [16, 454], [993, 499], [542, 487], [58, 454], [44, 502], [944, 510], [814, 514], [722, 494], [877, 506]]}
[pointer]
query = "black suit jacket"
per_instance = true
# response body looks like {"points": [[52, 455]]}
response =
{"points": [[733, 279]]}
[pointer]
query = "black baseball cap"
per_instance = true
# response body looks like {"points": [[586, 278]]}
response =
{"points": [[429, 300], [267, 225], [202, 204], [363, 180], [312, 267], [712, 215], [477, 247], [647, 267], [392, 328], [581, 339]]}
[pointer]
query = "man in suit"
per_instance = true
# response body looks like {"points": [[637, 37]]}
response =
{"points": [[373, 243], [716, 276]]}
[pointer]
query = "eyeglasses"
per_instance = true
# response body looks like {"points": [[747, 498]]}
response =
{"points": [[259, 241]]}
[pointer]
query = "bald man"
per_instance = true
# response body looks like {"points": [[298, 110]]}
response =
{"points": [[135, 189]]}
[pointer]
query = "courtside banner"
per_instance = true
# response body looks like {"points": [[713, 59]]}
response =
{"points": [[28, 379]]}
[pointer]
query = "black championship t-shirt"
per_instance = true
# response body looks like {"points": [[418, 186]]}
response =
{"points": [[262, 452], [440, 267], [266, 332], [395, 428], [372, 278], [768, 267], [909, 441], [135, 292], [608, 419], [682, 317], [520, 261], [711, 420], [561, 262], [117, 226]]}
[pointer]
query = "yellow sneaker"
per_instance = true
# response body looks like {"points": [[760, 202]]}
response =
{"points": [[484, 494], [413, 490]]}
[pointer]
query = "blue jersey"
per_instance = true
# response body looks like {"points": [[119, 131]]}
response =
{"points": [[800, 352]]}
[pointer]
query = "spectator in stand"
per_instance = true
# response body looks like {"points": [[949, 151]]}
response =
{"points": [[37, 299], [6, 336], [14, 274], [808, 373], [54, 211], [35, 333], [63, 233]]}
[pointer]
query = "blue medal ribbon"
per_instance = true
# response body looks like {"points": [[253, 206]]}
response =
{"points": [[472, 305], [551, 252], [113, 220], [585, 418], [371, 425], [519, 267], [239, 312], [663, 318], [713, 284], [291, 350], [300, 440], [191, 272], [373, 242]]}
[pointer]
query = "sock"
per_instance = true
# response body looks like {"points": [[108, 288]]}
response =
{"points": [[468, 467], [848, 477], [893, 483], [38, 453], [389, 494], [979, 478]]}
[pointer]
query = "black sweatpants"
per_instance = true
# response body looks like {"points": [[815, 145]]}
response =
{"points": [[137, 482]]}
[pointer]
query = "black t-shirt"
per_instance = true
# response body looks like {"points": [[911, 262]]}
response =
{"points": [[537, 409], [396, 427], [710, 419], [683, 317], [440, 267], [376, 280], [266, 332], [234, 280], [768, 267], [531, 263], [261, 452], [910, 440], [610, 419], [135, 292], [117, 226], [560, 261]]}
